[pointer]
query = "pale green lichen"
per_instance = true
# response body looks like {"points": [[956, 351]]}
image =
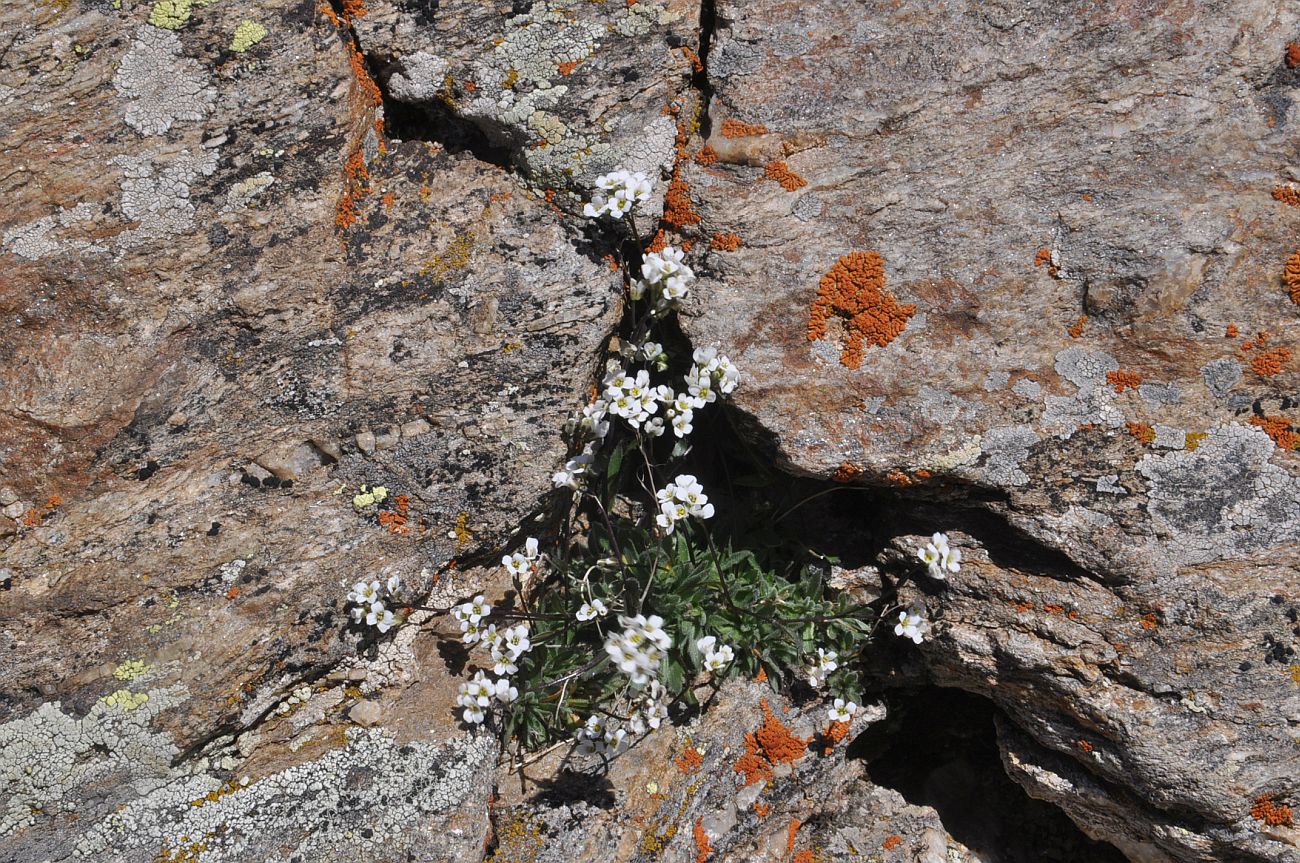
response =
{"points": [[171, 14], [131, 669], [247, 34], [125, 699], [375, 495]]}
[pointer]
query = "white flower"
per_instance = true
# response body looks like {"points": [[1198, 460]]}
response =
{"points": [[821, 666], [682, 423], [912, 623], [652, 351], [473, 611], [705, 645], [394, 584], [363, 593], [574, 469], [358, 614], [938, 556], [515, 640], [385, 621], [375, 614], [530, 548], [842, 711], [504, 692], [593, 609]]}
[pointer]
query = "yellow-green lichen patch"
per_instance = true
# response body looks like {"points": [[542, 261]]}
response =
{"points": [[125, 699], [247, 34], [171, 14], [131, 669], [375, 495]]}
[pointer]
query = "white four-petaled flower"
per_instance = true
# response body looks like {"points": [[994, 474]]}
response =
{"points": [[912, 623], [842, 711]]}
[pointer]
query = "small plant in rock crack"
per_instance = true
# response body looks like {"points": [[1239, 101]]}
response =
{"points": [[636, 606]]}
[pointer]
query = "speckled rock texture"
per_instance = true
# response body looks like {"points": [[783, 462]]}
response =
{"points": [[1075, 337], [1009, 270]]}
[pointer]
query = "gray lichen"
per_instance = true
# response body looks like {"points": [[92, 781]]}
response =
{"points": [[46, 757], [40, 239], [352, 802], [1083, 367], [1006, 448], [1223, 499], [1221, 375], [159, 200], [164, 87]]}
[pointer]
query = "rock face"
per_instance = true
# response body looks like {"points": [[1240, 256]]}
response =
{"points": [[231, 303], [257, 261], [993, 255]]}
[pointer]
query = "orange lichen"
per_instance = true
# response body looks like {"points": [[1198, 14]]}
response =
{"points": [[356, 184], [761, 677], [1231, 331], [233, 592], [891, 842], [725, 242], [1149, 621], [703, 850], [1053, 608], [1076, 329], [1280, 430], [1143, 432], [689, 760], [694, 59], [678, 210], [706, 156], [1123, 379], [1287, 195], [780, 171], [353, 9], [1084, 746], [1292, 55], [855, 289], [328, 11], [1192, 440], [736, 129], [369, 89], [772, 743], [761, 809], [847, 472], [835, 733], [395, 520], [566, 68], [1044, 256], [388, 200], [790, 832], [804, 856], [1022, 607], [1292, 277], [895, 476], [1271, 362], [1267, 809]]}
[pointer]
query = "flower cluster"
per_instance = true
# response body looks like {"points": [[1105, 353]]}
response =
{"points": [[710, 374], [626, 189], [939, 557], [822, 665], [716, 657], [912, 623], [664, 278], [470, 616], [598, 737], [369, 598], [477, 694], [639, 648], [682, 497]]}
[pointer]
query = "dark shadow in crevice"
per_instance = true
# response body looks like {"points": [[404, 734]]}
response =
{"points": [[938, 748], [436, 123], [570, 786]]}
